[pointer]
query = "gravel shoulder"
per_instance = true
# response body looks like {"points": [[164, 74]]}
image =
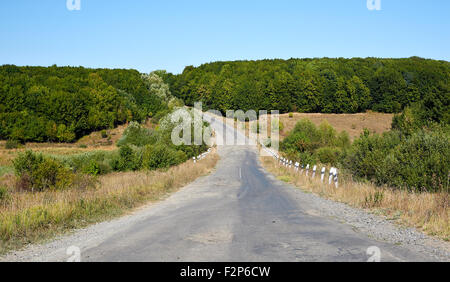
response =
{"points": [[374, 226]]}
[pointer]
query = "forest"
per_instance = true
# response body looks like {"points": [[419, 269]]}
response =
{"points": [[62, 104], [314, 85]]}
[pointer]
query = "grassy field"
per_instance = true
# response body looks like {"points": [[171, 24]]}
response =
{"points": [[27, 217], [428, 212], [354, 124]]}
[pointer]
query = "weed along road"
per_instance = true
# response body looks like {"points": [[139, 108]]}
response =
{"points": [[237, 213]]}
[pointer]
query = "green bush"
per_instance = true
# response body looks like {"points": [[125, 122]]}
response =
{"points": [[137, 135], [12, 144], [291, 115], [160, 156], [419, 162], [104, 134], [38, 173], [129, 159], [307, 138], [328, 155], [92, 168], [94, 163]]}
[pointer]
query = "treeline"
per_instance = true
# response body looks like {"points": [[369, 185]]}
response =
{"points": [[314, 85], [62, 104]]}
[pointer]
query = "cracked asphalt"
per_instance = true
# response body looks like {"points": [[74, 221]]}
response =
{"points": [[237, 213]]}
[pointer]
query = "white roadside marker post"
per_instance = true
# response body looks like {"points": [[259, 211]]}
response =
{"points": [[297, 166], [307, 170], [322, 174], [336, 178], [303, 167], [314, 171], [331, 175], [195, 161]]}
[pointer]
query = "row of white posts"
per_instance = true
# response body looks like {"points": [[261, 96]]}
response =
{"points": [[333, 174], [202, 156]]}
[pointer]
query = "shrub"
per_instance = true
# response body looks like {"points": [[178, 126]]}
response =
{"points": [[420, 162], [94, 163], [38, 173], [291, 115], [129, 159], [280, 126], [160, 156], [93, 168], [306, 137], [137, 135], [104, 134], [328, 155], [12, 144], [343, 140]]}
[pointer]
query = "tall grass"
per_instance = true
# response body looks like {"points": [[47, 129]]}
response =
{"points": [[30, 217], [429, 212]]}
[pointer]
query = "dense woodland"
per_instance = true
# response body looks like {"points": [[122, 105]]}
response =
{"points": [[65, 103], [314, 85]]}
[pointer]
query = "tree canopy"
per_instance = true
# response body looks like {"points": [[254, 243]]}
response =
{"points": [[313, 85], [65, 103]]}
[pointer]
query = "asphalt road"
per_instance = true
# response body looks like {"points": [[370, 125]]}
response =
{"points": [[240, 213], [237, 213]]}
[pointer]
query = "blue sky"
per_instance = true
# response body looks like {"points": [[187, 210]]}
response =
{"points": [[153, 34]]}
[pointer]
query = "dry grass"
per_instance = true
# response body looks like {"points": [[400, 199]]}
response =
{"points": [[7, 156], [354, 124], [30, 217], [96, 139], [92, 142], [427, 212]]}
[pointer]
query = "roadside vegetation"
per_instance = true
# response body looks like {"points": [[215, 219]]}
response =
{"points": [[27, 217], [403, 173], [428, 212], [43, 194], [48, 188]]}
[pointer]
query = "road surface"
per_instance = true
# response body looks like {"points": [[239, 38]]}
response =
{"points": [[238, 213]]}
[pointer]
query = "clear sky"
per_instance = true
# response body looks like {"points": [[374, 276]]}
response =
{"points": [[171, 34]]}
